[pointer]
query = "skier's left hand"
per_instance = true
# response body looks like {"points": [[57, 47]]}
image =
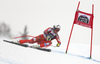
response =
{"points": [[48, 38], [58, 44]]}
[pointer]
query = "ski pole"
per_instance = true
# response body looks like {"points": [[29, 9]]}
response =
{"points": [[22, 36]]}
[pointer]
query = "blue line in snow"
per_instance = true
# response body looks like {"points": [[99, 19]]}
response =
{"points": [[84, 57], [7, 61], [76, 55]]}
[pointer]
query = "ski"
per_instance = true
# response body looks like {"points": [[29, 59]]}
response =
{"points": [[49, 50], [25, 45]]}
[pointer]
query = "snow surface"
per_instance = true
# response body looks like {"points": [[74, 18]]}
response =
{"points": [[77, 54]]}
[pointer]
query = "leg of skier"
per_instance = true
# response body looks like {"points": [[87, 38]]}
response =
{"points": [[45, 43], [26, 41], [33, 40]]}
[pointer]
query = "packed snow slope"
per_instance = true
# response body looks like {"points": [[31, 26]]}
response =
{"points": [[77, 54]]}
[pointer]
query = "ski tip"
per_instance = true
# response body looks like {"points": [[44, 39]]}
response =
{"points": [[4, 40]]}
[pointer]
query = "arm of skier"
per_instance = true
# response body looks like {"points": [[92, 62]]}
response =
{"points": [[47, 31], [46, 34], [58, 40]]}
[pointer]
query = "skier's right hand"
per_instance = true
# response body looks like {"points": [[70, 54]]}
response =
{"points": [[58, 44], [48, 38]]}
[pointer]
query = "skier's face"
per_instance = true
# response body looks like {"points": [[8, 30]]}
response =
{"points": [[56, 31]]}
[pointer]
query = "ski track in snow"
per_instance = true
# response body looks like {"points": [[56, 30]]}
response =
{"points": [[6, 61], [88, 58]]}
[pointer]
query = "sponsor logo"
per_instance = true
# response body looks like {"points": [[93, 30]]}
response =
{"points": [[83, 18]]}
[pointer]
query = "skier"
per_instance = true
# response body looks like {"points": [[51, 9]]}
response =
{"points": [[45, 39]]}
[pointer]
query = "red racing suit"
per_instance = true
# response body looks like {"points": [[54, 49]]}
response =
{"points": [[42, 39]]}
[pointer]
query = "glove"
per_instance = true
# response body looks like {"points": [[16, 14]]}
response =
{"points": [[48, 38], [58, 44]]}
